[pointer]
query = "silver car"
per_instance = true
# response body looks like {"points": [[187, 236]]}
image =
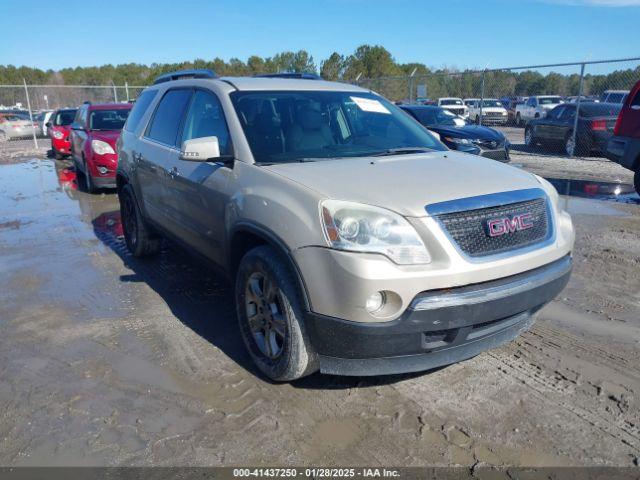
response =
{"points": [[358, 244], [13, 126]]}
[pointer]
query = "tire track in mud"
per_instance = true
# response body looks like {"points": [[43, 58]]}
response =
{"points": [[556, 340], [561, 391]]}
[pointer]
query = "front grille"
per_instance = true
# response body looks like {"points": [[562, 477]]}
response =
{"points": [[470, 230]]}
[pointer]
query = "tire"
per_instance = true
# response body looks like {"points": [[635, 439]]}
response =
{"points": [[518, 120], [636, 181], [139, 238], [571, 149], [267, 292], [529, 139], [477, 120], [57, 155], [88, 181]]}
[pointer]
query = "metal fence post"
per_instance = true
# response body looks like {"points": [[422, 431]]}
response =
{"points": [[115, 93], [575, 120], [126, 89], [482, 95], [26, 92]]}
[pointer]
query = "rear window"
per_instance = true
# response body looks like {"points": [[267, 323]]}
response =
{"points": [[108, 119], [64, 118], [549, 100], [139, 108], [599, 110], [451, 101]]}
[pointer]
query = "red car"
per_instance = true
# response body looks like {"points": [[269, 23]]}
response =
{"points": [[59, 129], [624, 146], [94, 132]]}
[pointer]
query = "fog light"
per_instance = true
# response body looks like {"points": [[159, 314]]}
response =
{"points": [[103, 170], [375, 302]]}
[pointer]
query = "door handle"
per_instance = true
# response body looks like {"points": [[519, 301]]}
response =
{"points": [[174, 172], [137, 157]]}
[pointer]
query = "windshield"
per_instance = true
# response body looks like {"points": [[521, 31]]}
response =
{"points": [[108, 119], [64, 118], [451, 101], [491, 103], [437, 116], [290, 126], [549, 100]]}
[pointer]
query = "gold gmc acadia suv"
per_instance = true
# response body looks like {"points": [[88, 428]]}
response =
{"points": [[358, 244]]}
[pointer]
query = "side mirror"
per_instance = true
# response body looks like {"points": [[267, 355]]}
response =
{"points": [[200, 149]]}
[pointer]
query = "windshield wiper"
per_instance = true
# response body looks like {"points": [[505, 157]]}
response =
{"points": [[402, 151]]}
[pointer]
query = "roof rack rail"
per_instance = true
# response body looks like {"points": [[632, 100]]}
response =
{"points": [[292, 75], [196, 73]]}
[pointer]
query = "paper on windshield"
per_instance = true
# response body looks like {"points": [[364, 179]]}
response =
{"points": [[370, 105]]}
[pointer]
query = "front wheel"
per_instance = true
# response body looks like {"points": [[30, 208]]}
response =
{"points": [[636, 181], [137, 234], [477, 120], [518, 120], [270, 315]]}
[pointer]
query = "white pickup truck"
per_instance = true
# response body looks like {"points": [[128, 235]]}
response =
{"points": [[536, 107], [454, 105], [492, 112]]}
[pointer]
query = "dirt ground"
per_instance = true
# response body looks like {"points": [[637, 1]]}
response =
{"points": [[110, 360]]}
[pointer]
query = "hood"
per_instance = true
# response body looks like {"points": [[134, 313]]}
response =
{"points": [[407, 183], [109, 136], [468, 131]]}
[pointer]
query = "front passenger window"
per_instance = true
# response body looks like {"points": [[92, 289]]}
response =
{"points": [[206, 119]]}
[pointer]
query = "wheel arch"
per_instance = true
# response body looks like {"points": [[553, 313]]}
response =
{"points": [[246, 236]]}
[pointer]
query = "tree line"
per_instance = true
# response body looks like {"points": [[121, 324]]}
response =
{"points": [[372, 66]]}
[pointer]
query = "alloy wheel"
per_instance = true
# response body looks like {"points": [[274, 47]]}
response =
{"points": [[263, 305], [570, 146]]}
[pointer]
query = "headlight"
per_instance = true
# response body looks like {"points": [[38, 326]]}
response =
{"points": [[363, 228], [461, 141], [58, 134], [100, 147]]}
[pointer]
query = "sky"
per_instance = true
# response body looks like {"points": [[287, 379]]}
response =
{"points": [[453, 33]]}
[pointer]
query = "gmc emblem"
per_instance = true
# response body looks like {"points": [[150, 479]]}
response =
{"points": [[501, 226]]}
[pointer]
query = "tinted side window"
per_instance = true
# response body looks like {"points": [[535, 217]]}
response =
{"points": [[206, 119], [569, 113], [636, 100], [139, 108], [166, 121]]}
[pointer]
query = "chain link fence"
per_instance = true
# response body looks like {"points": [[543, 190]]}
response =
{"points": [[521, 102], [30, 101], [525, 114]]}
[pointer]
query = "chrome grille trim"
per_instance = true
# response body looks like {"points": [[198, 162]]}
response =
{"points": [[508, 200]]}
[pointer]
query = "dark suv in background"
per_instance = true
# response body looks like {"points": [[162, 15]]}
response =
{"points": [[624, 146], [94, 132]]}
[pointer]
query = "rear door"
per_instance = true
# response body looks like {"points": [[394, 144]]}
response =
{"points": [[545, 127], [197, 189], [158, 147]]}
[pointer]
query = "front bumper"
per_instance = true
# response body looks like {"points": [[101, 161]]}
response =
{"points": [[440, 327]]}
